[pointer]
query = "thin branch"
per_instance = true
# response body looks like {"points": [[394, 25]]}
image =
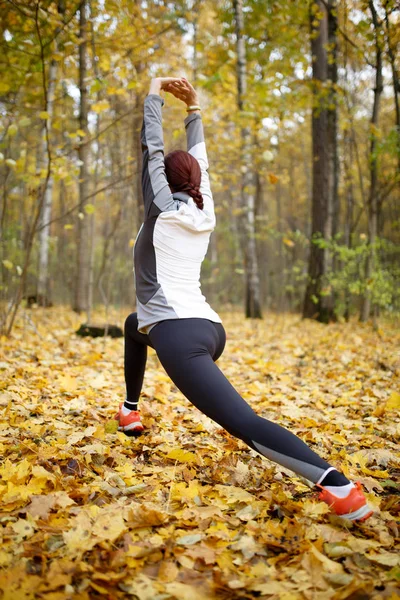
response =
{"points": [[71, 210]]}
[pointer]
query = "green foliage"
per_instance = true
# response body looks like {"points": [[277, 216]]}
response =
{"points": [[349, 282]]}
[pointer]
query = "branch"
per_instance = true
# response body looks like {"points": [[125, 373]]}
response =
{"points": [[71, 210]]}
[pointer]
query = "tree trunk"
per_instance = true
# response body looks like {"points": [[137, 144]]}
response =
{"points": [[43, 290], [83, 251], [252, 279], [137, 151], [373, 170], [195, 12], [313, 302], [92, 214], [349, 195], [395, 78], [332, 221]]}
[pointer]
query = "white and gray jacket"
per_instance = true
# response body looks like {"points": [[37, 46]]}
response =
{"points": [[172, 242]]}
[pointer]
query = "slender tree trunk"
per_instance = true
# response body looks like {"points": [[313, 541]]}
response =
{"points": [[137, 152], [395, 77], [43, 289], [313, 302], [252, 279], [349, 195], [373, 170], [43, 292], [83, 251], [307, 174], [280, 271], [332, 221], [195, 12], [92, 214]]}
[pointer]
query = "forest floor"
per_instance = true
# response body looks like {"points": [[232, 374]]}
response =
{"points": [[186, 511]]}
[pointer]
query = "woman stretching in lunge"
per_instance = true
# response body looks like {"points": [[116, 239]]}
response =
{"points": [[173, 316]]}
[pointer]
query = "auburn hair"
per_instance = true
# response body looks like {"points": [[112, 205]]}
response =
{"points": [[184, 174]]}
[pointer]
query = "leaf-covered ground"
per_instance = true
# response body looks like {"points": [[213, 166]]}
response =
{"points": [[186, 511]]}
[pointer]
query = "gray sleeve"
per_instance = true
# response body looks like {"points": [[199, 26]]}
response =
{"points": [[156, 190], [196, 146]]}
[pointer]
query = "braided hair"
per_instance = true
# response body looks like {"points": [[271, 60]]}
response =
{"points": [[184, 174]]}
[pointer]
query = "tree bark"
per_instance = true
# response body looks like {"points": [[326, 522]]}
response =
{"points": [[373, 169], [349, 196], [332, 221], [395, 78], [43, 290], [252, 279], [313, 303], [83, 251], [92, 215]]}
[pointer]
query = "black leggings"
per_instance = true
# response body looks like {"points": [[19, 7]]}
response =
{"points": [[188, 349]]}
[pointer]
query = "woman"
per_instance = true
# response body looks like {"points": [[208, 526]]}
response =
{"points": [[173, 316]]}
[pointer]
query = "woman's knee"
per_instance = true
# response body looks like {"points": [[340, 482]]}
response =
{"points": [[131, 324]]}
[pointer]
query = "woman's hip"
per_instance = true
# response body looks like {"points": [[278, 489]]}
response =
{"points": [[188, 337]]}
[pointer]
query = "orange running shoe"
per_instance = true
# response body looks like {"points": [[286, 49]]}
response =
{"points": [[129, 424], [354, 506]]}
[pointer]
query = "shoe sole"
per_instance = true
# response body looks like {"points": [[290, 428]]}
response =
{"points": [[358, 515], [133, 429]]}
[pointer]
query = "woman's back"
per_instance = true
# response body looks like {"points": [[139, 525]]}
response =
{"points": [[173, 240]]}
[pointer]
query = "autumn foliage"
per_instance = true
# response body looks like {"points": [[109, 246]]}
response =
{"points": [[186, 511]]}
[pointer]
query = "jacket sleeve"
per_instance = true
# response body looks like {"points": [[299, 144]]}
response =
{"points": [[157, 195], [196, 147]]}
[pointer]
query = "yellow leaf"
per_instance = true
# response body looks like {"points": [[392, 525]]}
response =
{"points": [[99, 588], [23, 528], [77, 539], [12, 130], [328, 564], [89, 209], [42, 473], [272, 178], [145, 515], [109, 525], [8, 264], [44, 115], [5, 558], [337, 437], [314, 509], [288, 242], [182, 456], [18, 473], [393, 402], [99, 107], [111, 426], [67, 383]]}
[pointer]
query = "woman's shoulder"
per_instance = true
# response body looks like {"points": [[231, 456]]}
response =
{"points": [[188, 215]]}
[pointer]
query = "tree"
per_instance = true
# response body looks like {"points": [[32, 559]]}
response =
{"points": [[43, 292], [373, 167], [313, 302], [253, 297], [83, 250]]}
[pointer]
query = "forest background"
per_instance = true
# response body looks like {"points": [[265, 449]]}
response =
{"points": [[302, 123], [301, 115]]}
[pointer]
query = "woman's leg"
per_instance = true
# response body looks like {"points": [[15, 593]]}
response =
{"points": [[135, 358], [186, 348]]}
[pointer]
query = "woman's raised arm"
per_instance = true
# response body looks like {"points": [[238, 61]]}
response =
{"points": [[157, 195], [196, 145]]}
